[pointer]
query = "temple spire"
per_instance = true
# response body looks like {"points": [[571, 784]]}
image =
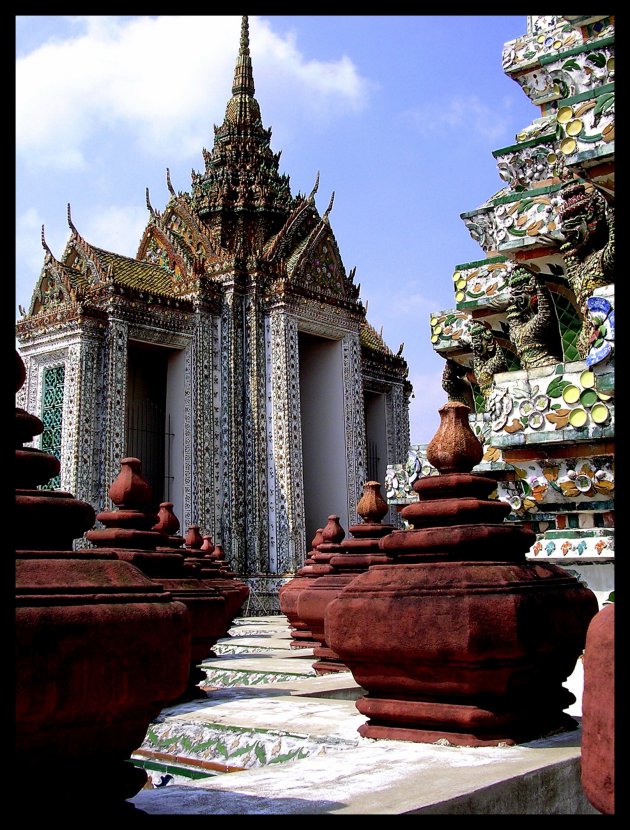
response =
{"points": [[244, 50], [243, 108]]}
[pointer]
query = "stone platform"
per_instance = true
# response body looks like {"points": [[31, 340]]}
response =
{"points": [[272, 737]]}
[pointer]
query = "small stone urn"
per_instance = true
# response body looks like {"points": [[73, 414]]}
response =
{"points": [[168, 523], [454, 447], [461, 639]]}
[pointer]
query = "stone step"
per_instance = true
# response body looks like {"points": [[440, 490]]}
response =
{"points": [[264, 705]]}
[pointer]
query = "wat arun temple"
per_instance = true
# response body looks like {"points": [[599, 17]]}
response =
{"points": [[529, 342], [233, 356]]}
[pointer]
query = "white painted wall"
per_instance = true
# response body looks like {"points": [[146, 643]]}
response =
{"points": [[323, 432], [175, 381], [376, 428]]}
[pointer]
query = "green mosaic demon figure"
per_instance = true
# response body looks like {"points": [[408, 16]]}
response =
{"points": [[588, 225], [488, 356], [532, 320]]}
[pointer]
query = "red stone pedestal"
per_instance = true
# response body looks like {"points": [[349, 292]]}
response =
{"points": [[100, 650], [598, 712], [130, 535], [346, 558], [460, 639], [208, 563], [290, 591]]}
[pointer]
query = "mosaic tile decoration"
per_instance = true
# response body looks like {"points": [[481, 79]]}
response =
{"points": [[574, 544], [479, 283], [539, 484], [556, 34], [550, 401], [601, 314], [586, 124], [235, 746], [570, 326], [224, 678], [51, 416]]}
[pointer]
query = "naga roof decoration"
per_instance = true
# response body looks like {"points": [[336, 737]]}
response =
{"points": [[298, 225], [58, 284], [315, 265], [78, 249]]}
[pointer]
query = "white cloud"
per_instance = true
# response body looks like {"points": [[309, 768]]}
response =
{"points": [[429, 396], [117, 229], [28, 227], [161, 80], [464, 114]]}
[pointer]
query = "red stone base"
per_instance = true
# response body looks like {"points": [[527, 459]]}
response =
{"points": [[327, 660], [303, 638], [459, 724]]}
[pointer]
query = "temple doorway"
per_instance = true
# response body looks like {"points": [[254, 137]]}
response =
{"points": [[147, 428], [323, 432]]}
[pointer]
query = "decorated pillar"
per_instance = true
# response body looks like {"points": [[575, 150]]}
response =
{"points": [[286, 508]]}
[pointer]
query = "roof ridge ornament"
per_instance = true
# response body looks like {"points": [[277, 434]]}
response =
{"points": [[168, 183], [311, 197], [45, 244], [70, 223], [329, 208]]}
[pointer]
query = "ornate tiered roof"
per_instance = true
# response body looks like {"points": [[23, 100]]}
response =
{"points": [[239, 214]]}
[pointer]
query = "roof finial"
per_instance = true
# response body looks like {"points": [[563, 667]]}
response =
{"points": [[168, 182], [244, 47], [243, 75], [72, 228], [329, 208], [44, 243], [149, 205], [315, 187]]}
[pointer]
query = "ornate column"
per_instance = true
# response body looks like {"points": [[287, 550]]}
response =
{"points": [[203, 490], [83, 417], [233, 453], [286, 507], [114, 434], [254, 428], [355, 420]]}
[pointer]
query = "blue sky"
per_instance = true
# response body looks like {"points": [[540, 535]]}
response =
{"points": [[398, 114]]}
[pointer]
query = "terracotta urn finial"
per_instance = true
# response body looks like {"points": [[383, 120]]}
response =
{"points": [[454, 448], [167, 520], [208, 545], [130, 489], [372, 506], [193, 538], [333, 533], [318, 539]]}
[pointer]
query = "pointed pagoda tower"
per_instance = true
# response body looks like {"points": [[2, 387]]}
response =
{"points": [[232, 355]]}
